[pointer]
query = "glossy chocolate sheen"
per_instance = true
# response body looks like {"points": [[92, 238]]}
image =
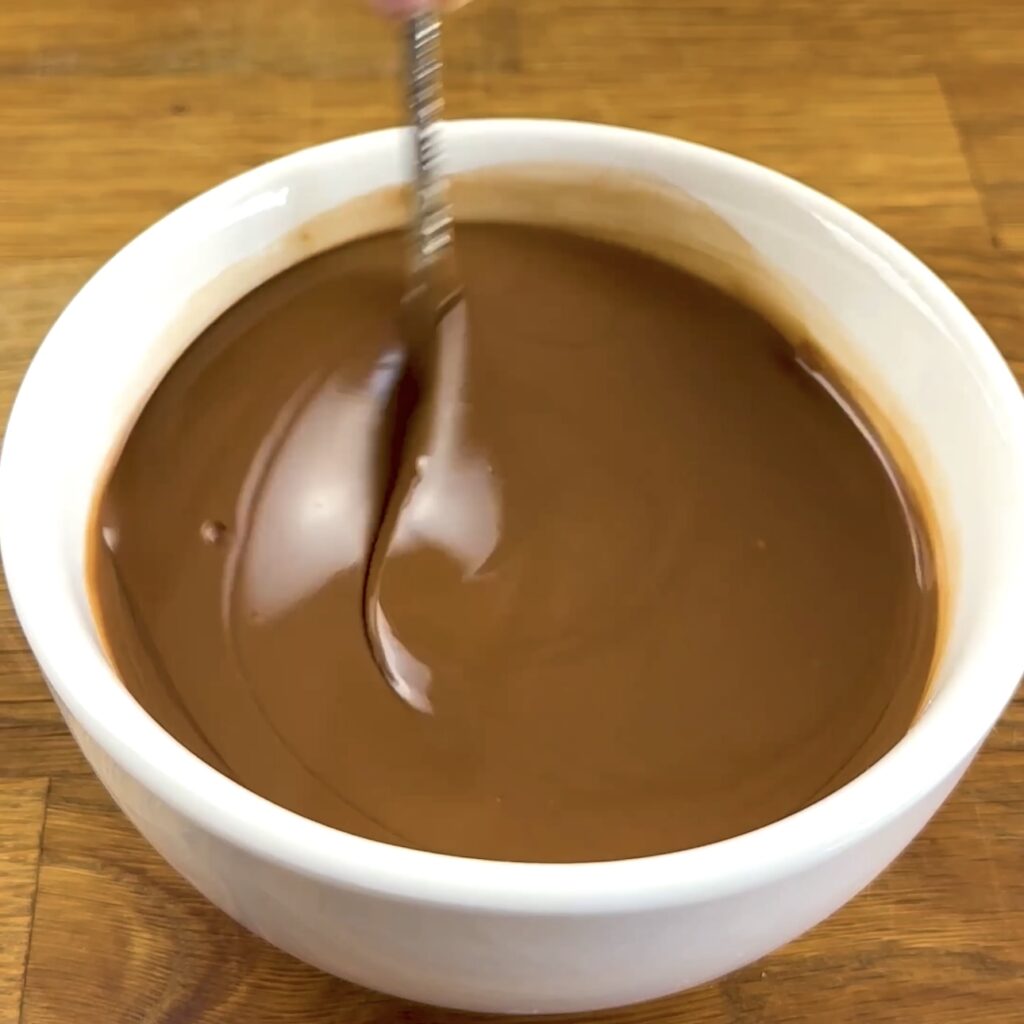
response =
{"points": [[666, 591]]}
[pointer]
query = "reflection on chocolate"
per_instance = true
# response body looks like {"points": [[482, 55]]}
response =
{"points": [[663, 590]]}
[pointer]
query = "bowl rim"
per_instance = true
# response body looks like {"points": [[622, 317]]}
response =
{"points": [[939, 744]]}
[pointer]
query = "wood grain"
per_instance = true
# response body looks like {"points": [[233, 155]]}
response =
{"points": [[992, 122], [22, 809], [113, 111]]}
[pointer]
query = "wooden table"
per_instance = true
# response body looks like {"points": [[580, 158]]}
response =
{"points": [[114, 111]]}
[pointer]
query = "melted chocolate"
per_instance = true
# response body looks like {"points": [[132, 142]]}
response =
{"points": [[663, 589]]}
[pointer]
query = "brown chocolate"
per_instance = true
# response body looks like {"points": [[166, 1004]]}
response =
{"points": [[665, 591]]}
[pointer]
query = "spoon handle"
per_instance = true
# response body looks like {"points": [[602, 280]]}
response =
{"points": [[432, 218]]}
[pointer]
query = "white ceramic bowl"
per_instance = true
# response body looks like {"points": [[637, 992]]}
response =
{"points": [[487, 935]]}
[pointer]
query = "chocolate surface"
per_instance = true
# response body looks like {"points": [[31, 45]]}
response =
{"points": [[665, 590]]}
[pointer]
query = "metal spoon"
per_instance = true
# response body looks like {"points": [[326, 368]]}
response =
{"points": [[425, 384], [433, 252]]}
